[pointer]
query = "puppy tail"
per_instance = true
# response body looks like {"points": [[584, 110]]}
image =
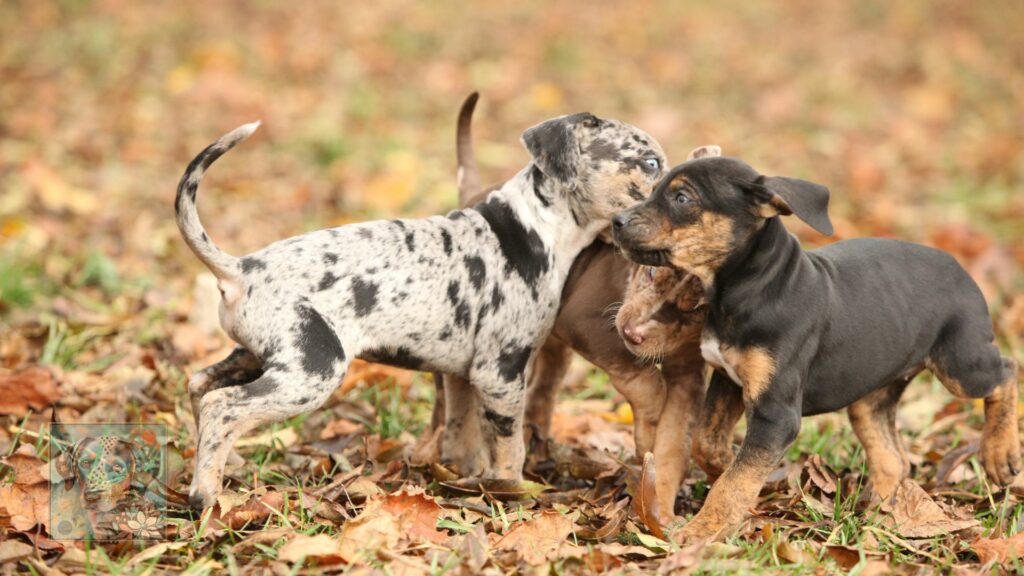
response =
{"points": [[222, 264], [469, 178]]}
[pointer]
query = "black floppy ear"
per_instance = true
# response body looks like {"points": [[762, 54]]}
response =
{"points": [[807, 200], [552, 145]]}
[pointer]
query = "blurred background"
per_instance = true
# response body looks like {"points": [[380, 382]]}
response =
{"points": [[911, 112]]}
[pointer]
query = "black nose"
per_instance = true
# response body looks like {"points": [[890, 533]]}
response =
{"points": [[620, 220]]}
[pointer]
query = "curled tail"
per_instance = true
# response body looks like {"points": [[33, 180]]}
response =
{"points": [[468, 177], [222, 264]]}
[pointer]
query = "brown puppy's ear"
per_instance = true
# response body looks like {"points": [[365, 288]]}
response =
{"points": [[552, 147], [709, 151], [808, 201]]}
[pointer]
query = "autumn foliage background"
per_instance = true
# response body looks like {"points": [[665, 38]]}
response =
{"points": [[910, 112]]}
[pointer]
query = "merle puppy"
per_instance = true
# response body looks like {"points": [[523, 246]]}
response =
{"points": [[794, 332], [471, 294]]}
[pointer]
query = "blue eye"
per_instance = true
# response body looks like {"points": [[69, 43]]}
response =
{"points": [[652, 163], [682, 198]]}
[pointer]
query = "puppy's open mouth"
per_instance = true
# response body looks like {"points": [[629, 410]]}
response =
{"points": [[647, 257]]}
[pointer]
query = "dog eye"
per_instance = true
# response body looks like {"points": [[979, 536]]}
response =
{"points": [[652, 163], [682, 198]]}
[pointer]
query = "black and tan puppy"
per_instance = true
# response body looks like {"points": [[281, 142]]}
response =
{"points": [[794, 332]]}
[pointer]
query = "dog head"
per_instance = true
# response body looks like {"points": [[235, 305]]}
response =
{"points": [[104, 468], [662, 311], [706, 209], [600, 166]]}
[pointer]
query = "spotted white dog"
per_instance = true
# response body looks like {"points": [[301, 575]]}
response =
{"points": [[473, 294]]}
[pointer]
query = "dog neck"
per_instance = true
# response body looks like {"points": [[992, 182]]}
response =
{"points": [[542, 207], [763, 265]]}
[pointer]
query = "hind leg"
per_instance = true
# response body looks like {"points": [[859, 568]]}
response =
{"points": [[874, 422], [240, 367], [299, 375], [970, 370], [549, 370]]}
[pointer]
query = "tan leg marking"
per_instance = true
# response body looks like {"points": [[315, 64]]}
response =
{"points": [[1000, 440], [732, 497], [874, 423], [755, 367], [712, 444]]}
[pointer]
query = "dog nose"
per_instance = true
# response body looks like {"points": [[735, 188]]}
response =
{"points": [[635, 336], [620, 220]]}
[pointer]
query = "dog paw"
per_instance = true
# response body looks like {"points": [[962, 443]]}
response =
{"points": [[200, 501], [1000, 457]]}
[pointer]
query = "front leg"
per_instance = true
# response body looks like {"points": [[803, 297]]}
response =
{"points": [[645, 390], [773, 421], [712, 442], [674, 436], [462, 443], [502, 403]]}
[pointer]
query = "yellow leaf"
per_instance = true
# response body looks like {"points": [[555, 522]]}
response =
{"points": [[546, 96]]}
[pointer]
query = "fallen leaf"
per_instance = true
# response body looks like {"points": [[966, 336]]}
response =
{"points": [[368, 532], [820, 475], [370, 374], [285, 437], [28, 468], [322, 548], [257, 509], [339, 427], [540, 539], [913, 514], [1000, 550], [156, 551], [29, 388], [645, 502], [417, 512], [26, 505], [13, 550], [501, 489]]}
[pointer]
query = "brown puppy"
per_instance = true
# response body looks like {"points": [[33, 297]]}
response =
{"points": [[665, 403]]}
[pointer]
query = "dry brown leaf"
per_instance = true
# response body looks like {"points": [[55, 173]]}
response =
{"points": [[360, 371], [28, 468], [913, 514], [322, 548], [645, 502], [13, 550], [820, 475], [417, 512], [26, 505], [29, 388], [540, 539], [1000, 550], [256, 509], [340, 427], [368, 532]]}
